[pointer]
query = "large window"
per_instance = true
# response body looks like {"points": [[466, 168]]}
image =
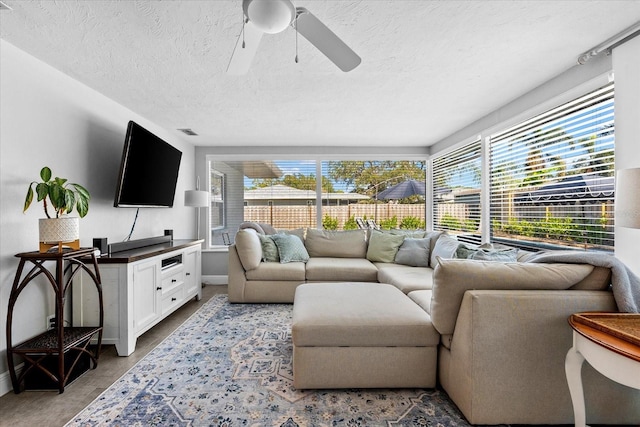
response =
{"points": [[287, 194], [456, 186], [552, 177]]}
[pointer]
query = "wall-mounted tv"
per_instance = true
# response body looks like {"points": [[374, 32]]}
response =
{"points": [[148, 171]]}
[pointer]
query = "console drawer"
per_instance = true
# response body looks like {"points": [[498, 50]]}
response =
{"points": [[172, 280], [172, 300]]}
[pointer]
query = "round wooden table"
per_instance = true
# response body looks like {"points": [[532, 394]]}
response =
{"points": [[610, 342]]}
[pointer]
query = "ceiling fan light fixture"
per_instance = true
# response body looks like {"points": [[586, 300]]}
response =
{"points": [[270, 16]]}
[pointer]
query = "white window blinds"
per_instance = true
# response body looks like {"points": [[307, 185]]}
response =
{"points": [[552, 177], [456, 184]]}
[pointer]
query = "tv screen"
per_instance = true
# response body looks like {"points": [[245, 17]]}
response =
{"points": [[148, 171]]}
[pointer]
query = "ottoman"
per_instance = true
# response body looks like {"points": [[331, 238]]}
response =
{"points": [[361, 335]]}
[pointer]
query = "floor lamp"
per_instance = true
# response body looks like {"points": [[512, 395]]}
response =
{"points": [[627, 202], [197, 199]]}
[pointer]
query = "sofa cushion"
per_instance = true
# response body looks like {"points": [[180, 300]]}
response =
{"points": [[383, 246], [272, 271], [337, 244], [414, 252], [445, 247], [269, 249], [422, 298], [341, 269], [290, 248], [249, 248], [404, 277], [453, 277]]}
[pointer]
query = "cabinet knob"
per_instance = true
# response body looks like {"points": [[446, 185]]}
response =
{"points": [[159, 288], [173, 299], [173, 280], [188, 274]]}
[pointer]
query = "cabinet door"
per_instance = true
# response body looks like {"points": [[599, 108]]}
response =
{"points": [[86, 302], [145, 295], [192, 272]]}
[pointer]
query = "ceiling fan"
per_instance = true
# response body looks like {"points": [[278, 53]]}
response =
{"points": [[274, 16]]}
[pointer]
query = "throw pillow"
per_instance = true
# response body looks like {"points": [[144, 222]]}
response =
{"points": [[269, 249], [414, 252], [487, 253], [445, 247], [290, 248], [383, 246], [414, 234]]}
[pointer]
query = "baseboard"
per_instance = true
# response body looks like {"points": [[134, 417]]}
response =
{"points": [[5, 380], [217, 279]]}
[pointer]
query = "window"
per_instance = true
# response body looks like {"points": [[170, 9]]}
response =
{"points": [[552, 177], [456, 186], [216, 189], [287, 195]]}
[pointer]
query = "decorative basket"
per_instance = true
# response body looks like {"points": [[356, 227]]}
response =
{"points": [[59, 231]]}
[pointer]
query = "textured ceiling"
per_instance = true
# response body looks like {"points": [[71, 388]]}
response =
{"points": [[428, 67]]}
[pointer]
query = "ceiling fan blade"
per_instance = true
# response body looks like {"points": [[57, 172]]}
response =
{"points": [[326, 41], [243, 56]]}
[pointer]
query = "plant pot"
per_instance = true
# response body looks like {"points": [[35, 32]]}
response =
{"points": [[58, 232]]}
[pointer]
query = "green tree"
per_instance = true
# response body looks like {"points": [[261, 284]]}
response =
{"points": [[367, 177]]}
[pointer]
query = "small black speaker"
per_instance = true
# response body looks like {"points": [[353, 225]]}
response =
{"points": [[169, 233], [101, 244]]}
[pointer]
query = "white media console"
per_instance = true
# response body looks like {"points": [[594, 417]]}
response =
{"points": [[140, 286]]}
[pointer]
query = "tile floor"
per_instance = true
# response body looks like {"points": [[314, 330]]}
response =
{"points": [[50, 409]]}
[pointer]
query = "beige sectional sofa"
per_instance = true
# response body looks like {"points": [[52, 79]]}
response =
{"points": [[503, 325], [333, 257]]}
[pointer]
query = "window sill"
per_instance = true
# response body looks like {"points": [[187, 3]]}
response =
{"points": [[217, 248]]}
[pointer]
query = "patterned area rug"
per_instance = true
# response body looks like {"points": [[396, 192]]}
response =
{"points": [[231, 365]]}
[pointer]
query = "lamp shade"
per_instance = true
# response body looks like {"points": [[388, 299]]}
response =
{"points": [[196, 198], [628, 198]]}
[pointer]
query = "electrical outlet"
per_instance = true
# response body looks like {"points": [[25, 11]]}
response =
{"points": [[51, 321]]}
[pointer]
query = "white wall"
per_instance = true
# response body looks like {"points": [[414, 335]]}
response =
{"points": [[47, 118], [626, 66]]}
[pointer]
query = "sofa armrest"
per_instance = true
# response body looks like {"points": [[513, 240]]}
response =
{"points": [[237, 278], [508, 350]]}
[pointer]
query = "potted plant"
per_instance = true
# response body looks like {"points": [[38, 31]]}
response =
{"points": [[63, 197]]}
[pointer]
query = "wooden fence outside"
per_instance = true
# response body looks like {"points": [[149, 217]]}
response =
{"points": [[290, 217]]}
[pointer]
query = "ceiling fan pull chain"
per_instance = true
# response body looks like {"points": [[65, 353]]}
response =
{"points": [[296, 28], [243, 22]]}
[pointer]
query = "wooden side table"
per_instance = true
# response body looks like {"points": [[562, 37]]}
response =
{"points": [[59, 341], [610, 342]]}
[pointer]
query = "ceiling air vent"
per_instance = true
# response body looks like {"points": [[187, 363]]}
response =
{"points": [[188, 131]]}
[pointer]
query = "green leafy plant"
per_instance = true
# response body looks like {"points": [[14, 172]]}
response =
{"points": [[63, 196], [411, 223], [389, 223], [329, 223], [351, 223]]}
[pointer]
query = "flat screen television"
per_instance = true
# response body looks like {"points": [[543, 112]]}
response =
{"points": [[148, 170]]}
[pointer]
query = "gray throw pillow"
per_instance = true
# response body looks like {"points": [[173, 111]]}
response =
{"points": [[290, 248], [414, 252], [269, 249]]}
